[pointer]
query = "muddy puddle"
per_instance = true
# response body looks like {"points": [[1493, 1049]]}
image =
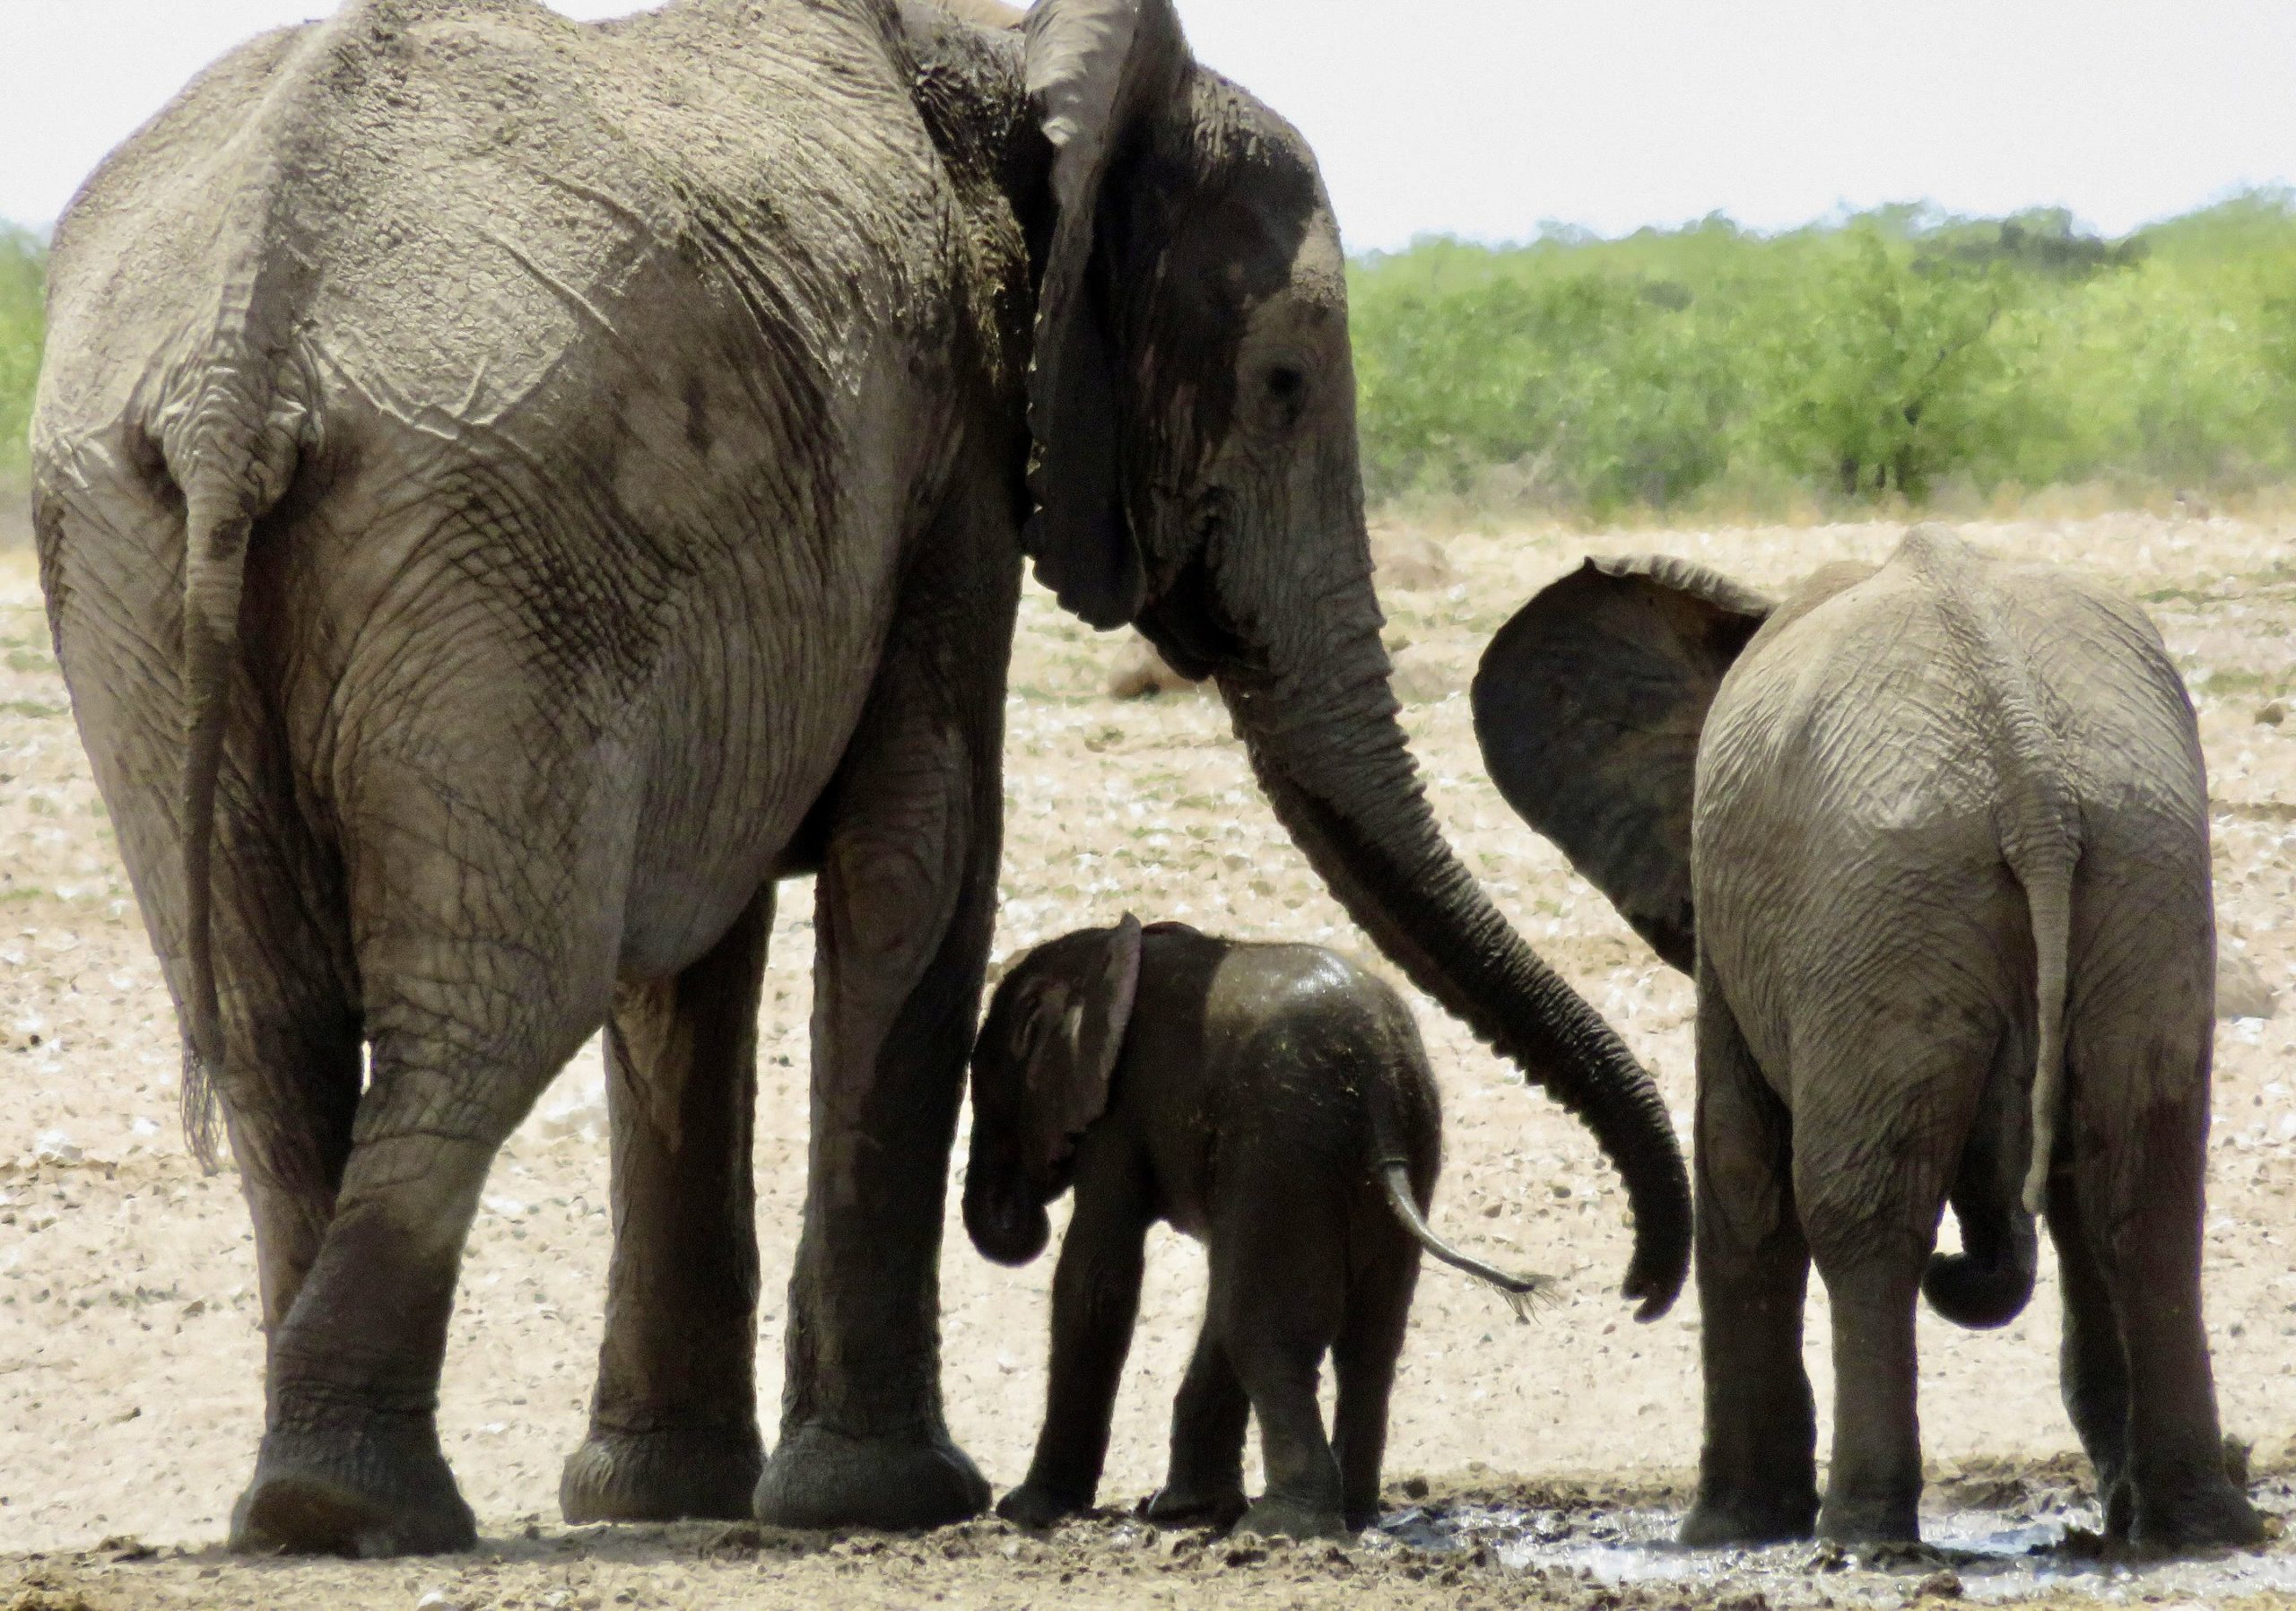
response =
{"points": [[2030, 1539]]}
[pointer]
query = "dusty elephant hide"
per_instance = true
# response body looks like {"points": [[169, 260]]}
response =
{"points": [[508, 491], [1934, 838]]}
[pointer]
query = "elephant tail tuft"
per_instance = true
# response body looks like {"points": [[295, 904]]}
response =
{"points": [[1519, 1291], [1392, 1160]]}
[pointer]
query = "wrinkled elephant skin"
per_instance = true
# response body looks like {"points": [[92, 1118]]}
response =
{"points": [[509, 490], [1934, 838], [1272, 1101]]}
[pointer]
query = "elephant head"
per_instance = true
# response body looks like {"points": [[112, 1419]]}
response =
{"points": [[1589, 704], [1041, 1073], [1192, 405]]}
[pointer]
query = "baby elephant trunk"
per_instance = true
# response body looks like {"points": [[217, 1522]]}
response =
{"points": [[1394, 1175]]}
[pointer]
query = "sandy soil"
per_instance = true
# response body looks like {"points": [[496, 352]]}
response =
{"points": [[130, 1393]]}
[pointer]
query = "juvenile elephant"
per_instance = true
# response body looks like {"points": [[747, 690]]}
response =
{"points": [[1934, 838], [1272, 1101], [510, 491]]}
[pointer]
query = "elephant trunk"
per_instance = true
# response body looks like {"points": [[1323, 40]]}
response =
{"points": [[1004, 1224], [1004, 1213], [1326, 742], [1990, 1281]]}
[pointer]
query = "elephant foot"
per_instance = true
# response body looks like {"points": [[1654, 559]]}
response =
{"points": [[663, 1475], [2205, 1516], [361, 1496], [820, 1478], [1276, 1517], [1034, 1504], [1878, 1521], [1747, 1523], [1182, 1504]]}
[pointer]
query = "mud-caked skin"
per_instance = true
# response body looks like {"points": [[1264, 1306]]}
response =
{"points": [[1933, 838], [509, 490], [1272, 1101]]}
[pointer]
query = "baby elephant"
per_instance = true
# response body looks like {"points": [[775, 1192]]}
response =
{"points": [[1272, 1101], [1934, 838]]}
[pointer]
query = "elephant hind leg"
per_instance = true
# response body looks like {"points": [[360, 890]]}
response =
{"points": [[673, 1422], [483, 970], [289, 1086], [1757, 1479], [1378, 1311], [2129, 1225], [2092, 1367], [1871, 1179], [1279, 1282]]}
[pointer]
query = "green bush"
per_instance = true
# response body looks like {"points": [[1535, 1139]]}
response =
{"points": [[22, 324], [1878, 356], [1884, 356]]}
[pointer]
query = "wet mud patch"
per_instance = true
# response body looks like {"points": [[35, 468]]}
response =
{"points": [[1477, 1544], [1992, 1530]]}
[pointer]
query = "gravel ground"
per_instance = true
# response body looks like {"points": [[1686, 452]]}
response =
{"points": [[130, 1390]]}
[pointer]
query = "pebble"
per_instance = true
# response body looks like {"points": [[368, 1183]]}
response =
{"points": [[2241, 991]]}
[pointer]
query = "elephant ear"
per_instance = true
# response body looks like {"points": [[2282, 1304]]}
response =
{"points": [[1588, 706], [1096, 71], [1073, 1055]]}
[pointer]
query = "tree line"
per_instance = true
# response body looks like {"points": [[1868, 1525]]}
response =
{"points": [[1897, 354]]}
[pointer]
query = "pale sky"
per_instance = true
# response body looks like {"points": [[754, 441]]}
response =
{"points": [[1486, 118]]}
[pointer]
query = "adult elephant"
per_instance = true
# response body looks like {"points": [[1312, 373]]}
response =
{"points": [[508, 492], [1932, 836]]}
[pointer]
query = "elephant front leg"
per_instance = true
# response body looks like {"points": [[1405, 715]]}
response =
{"points": [[1095, 1298], [673, 1422], [1758, 1470], [1873, 1486], [1279, 1284], [290, 1117], [905, 901]]}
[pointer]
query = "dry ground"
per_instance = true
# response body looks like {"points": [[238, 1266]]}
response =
{"points": [[130, 1394]]}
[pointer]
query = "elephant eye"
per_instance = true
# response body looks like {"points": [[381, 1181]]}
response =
{"points": [[1283, 391]]}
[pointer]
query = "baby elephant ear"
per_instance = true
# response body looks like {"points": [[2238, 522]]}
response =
{"points": [[1588, 706], [1075, 1058]]}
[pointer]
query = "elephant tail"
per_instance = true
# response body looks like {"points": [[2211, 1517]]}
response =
{"points": [[2039, 814], [2049, 899], [2039, 828], [1393, 1165], [233, 454], [1989, 1283]]}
